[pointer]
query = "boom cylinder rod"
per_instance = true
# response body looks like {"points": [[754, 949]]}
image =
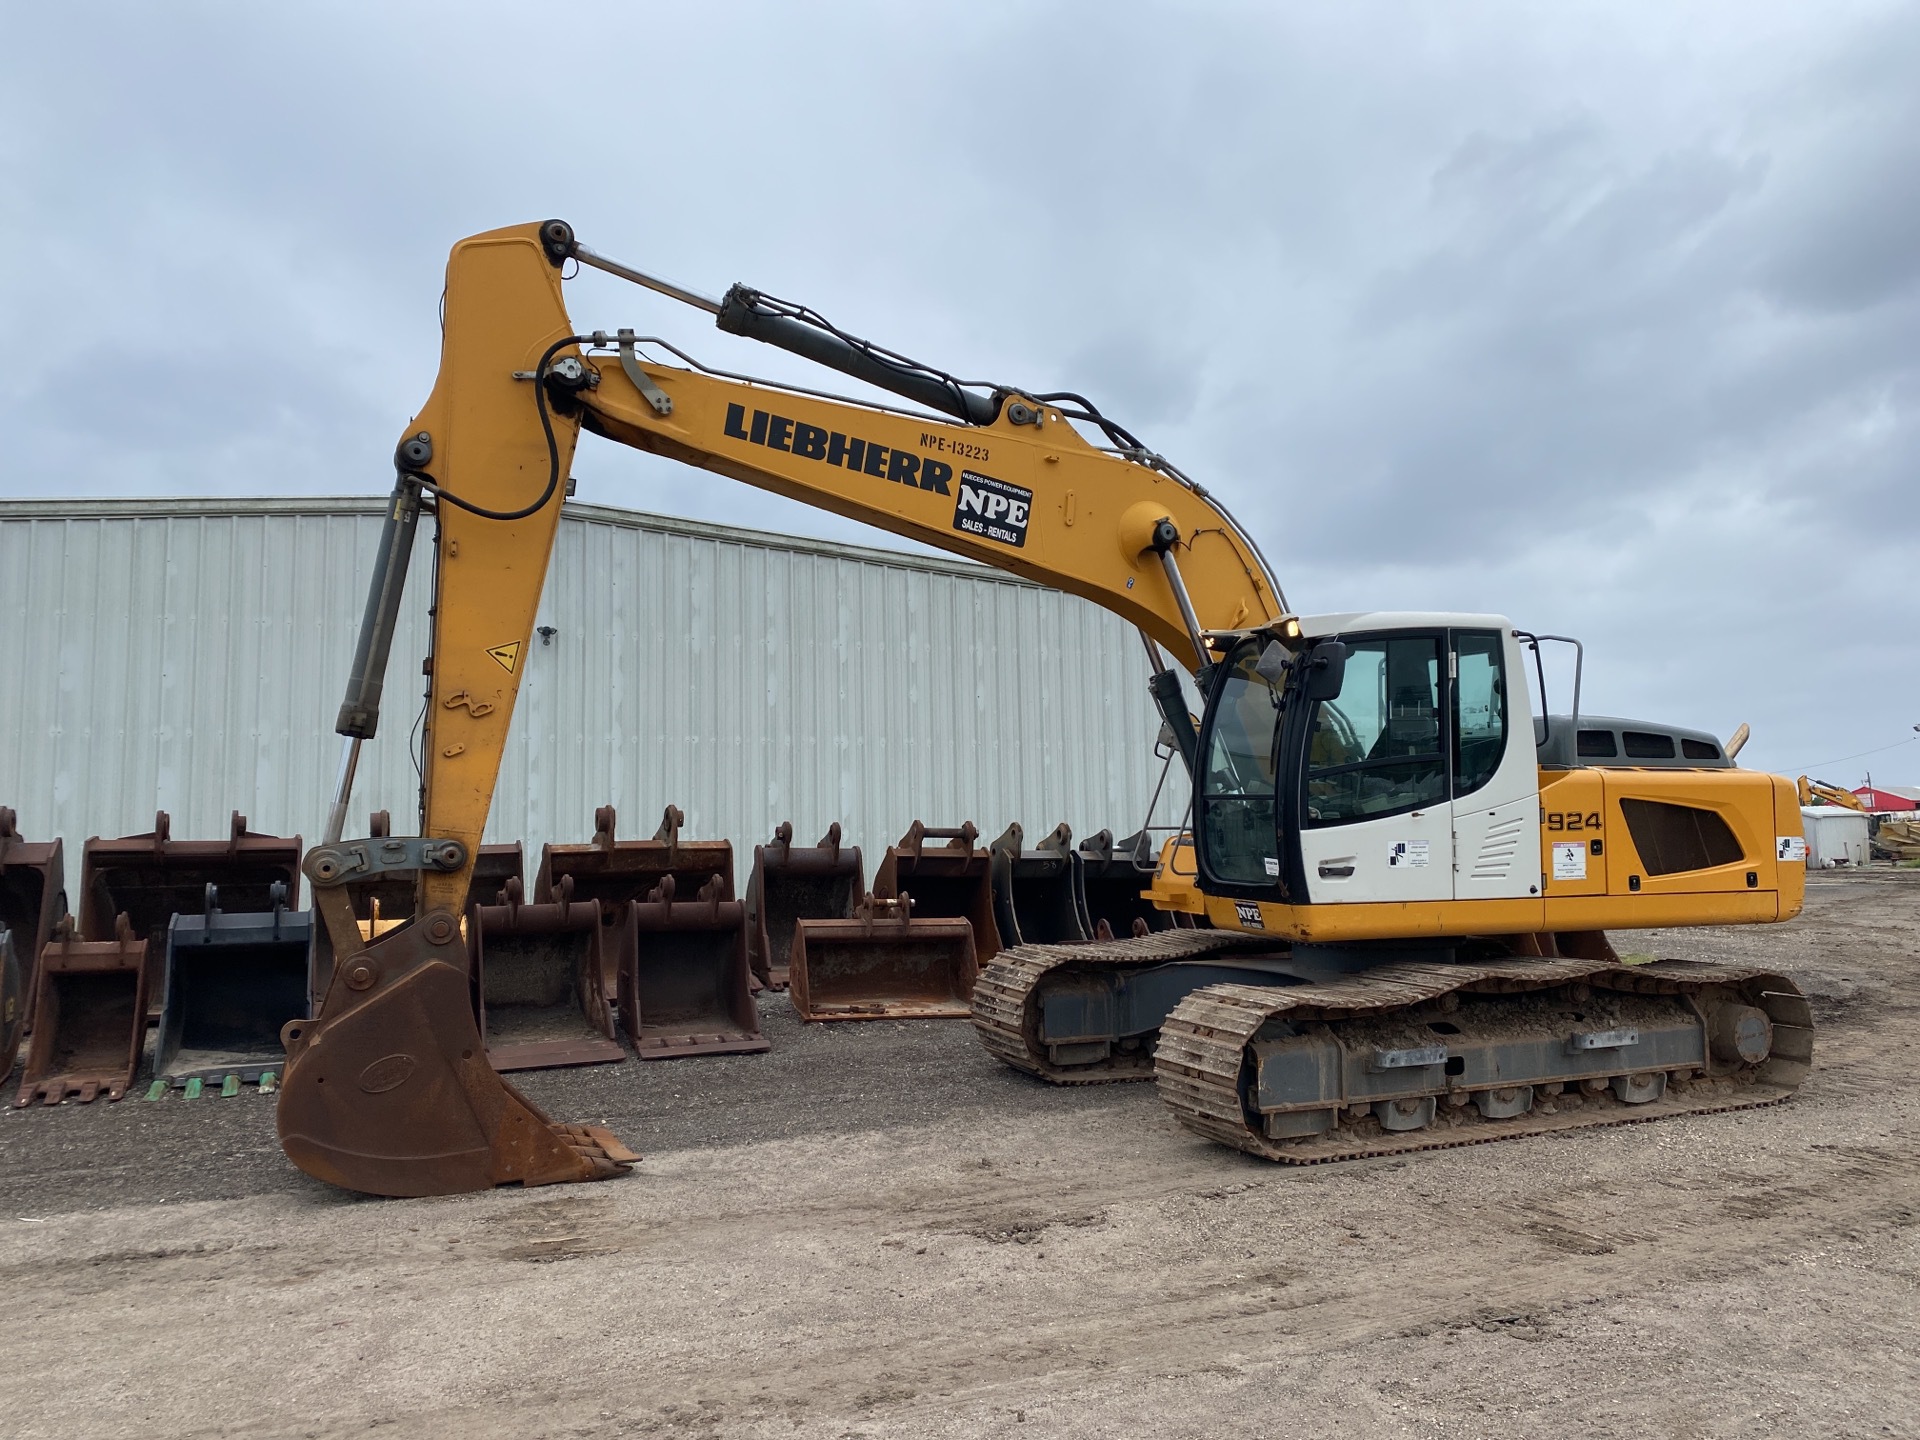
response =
{"points": [[360, 711], [343, 790], [1185, 602], [587, 256]]}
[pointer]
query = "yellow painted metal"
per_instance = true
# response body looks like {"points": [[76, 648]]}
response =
{"points": [[1176, 884], [1078, 536], [1818, 792], [502, 310]]}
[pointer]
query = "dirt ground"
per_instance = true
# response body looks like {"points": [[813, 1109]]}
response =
{"points": [[877, 1231]]}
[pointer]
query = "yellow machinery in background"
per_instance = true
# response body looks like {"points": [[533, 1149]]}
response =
{"points": [[1400, 870]]}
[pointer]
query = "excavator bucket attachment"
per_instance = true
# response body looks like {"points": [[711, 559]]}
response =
{"points": [[90, 1010], [13, 1004], [233, 981], [33, 897], [684, 987], [153, 877], [952, 882], [883, 964], [616, 871], [1113, 876], [1036, 893], [389, 1091], [791, 884], [537, 971]]}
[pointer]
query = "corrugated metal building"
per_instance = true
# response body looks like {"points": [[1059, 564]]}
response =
{"points": [[190, 655]]}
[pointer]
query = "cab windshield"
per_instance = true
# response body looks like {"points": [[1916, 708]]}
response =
{"points": [[1241, 771]]}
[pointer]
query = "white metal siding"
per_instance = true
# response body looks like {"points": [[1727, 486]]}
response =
{"points": [[190, 655]]}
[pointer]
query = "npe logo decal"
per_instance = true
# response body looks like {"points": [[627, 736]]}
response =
{"points": [[992, 508]]}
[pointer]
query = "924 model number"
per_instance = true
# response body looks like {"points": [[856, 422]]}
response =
{"points": [[1573, 820]]}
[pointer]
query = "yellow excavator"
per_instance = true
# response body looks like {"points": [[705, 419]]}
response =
{"points": [[1400, 867], [1819, 792]]}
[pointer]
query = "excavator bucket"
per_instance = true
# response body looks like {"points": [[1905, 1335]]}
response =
{"points": [[33, 897], [537, 973], [790, 884], [684, 987], [13, 1004], [232, 982], [616, 871], [1036, 893], [883, 964], [90, 1009], [153, 877], [952, 882], [1113, 876]]}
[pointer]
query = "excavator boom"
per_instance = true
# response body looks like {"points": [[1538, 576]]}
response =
{"points": [[388, 1089]]}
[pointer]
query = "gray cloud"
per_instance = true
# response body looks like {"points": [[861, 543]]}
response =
{"points": [[1605, 321]]}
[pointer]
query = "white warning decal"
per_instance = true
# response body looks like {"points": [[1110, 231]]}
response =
{"points": [[1791, 847], [1569, 859], [1407, 855]]}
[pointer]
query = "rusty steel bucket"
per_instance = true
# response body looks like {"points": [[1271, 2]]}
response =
{"points": [[233, 981], [885, 963], [1036, 893], [951, 882], [90, 1008], [33, 897], [13, 1004], [789, 884], [151, 878], [1113, 878], [615, 871], [537, 981], [684, 984]]}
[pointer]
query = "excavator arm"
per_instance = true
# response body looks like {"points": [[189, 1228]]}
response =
{"points": [[1009, 481]]}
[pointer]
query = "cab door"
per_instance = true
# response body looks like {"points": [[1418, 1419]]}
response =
{"points": [[1373, 814], [1496, 775]]}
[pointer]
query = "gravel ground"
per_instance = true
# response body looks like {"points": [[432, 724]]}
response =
{"points": [[876, 1231]]}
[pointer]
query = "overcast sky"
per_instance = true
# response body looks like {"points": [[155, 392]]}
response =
{"points": [[1603, 316]]}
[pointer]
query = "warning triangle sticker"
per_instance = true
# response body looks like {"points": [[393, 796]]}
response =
{"points": [[508, 655]]}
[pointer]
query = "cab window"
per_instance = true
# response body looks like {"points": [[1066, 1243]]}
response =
{"points": [[1238, 781], [1479, 708], [1378, 748]]}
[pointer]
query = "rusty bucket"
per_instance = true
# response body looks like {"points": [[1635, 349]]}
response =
{"points": [[151, 878], [232, 982], [13, 1004], [90, 1017], [1113, 878], [615, 871], [537, 979], [33, 897], [885, 963], [684, 986], [1036, 893], [792, 883], [949, 882]]}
